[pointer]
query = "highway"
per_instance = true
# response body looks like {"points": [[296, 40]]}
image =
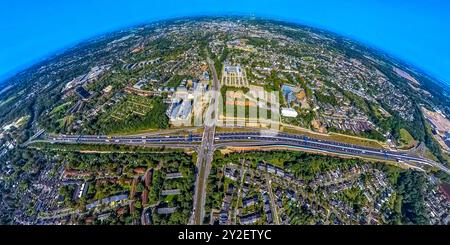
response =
{"points": [[281, 138], [316, 144], [257, 138]]}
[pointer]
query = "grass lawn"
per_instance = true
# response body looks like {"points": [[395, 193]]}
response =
{"points": [[169, 198], [406, 140], [61, 107]]}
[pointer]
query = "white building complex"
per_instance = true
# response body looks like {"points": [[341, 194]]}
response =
{"points": [[179, 109], [183, 101], [288, 112]]}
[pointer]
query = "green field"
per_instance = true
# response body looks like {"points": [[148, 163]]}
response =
{"points": [[406, 140], [61, 108]]}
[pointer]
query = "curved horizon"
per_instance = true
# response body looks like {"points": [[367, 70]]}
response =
{"points": [[443, 75], [62, 50]]}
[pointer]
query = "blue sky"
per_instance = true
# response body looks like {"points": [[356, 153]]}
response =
{"points": [[415, 31]]}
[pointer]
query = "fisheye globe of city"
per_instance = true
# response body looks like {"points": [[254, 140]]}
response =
{"points": [[224, 119]]}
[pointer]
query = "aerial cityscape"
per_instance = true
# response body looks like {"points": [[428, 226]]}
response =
{"points": [[232, 120]]}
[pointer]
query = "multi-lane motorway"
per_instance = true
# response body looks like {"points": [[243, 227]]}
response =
{"points": [[257, 138]]}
